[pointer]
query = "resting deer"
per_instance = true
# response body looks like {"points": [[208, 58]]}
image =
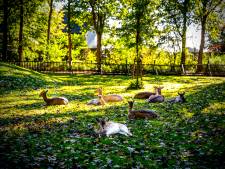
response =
{"points": [[178, 99], [140, 114], [97, 102], [109, 127], [157, 97], [145, 95], [110, 97], [54, 100]]}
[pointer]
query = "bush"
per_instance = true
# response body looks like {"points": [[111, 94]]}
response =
{"points": [[134, 84]]}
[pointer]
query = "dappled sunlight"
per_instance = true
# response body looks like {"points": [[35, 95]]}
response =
{"points": [[217, 108], [186, 113]]}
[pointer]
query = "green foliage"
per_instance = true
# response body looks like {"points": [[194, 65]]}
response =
{"points": [[160, 23], [135, 84]]}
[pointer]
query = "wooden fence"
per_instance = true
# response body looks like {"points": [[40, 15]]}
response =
{"points": [[125, 69]]}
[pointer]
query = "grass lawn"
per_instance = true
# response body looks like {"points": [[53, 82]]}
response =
{"points": [[189, 135]]}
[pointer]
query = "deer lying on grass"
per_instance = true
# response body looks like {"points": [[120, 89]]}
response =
{"points": [[178, 99], [97, 102], [110, 97], [109, 128], [140, 114], [54, 100], [157, 97], [145, 95]]}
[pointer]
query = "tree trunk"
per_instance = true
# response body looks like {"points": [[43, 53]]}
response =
{"points": [[137, 53], [202, 44], [69, 37], [49, 27], [20, 48], [184, 30], [5, 31], [49, 20], [98, 52], [69, 50]]}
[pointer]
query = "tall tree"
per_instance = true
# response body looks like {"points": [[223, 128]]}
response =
{"points": [[69, 34], [5, 30], [100, 12], [203, 11], [98, 21], [49, 25], [179, 15], [20, 48], [49, 19], [139, 28]]}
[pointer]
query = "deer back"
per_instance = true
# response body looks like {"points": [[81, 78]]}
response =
{"points": [[155, 99], [57, 101], [142, 114], [113, 98], [143, 95]]}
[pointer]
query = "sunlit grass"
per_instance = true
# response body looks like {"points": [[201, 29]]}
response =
{"points": [[39, 136]]}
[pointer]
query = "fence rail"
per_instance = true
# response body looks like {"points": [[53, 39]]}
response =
{"points": [[126, 69]]}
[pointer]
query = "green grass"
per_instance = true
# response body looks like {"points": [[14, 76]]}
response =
{"points": [[189, 135]]}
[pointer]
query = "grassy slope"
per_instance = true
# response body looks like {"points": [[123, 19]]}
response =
{"points": [[33, 136]]}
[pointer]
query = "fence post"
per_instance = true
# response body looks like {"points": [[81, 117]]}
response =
{"points": [[153, 70], [209, 69], [183, 69], [127, 72]]}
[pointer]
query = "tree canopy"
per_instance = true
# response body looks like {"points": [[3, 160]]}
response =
{"points": [[52, 30]]}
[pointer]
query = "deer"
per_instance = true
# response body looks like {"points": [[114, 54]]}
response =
{"points": [[145, 95], [97, 102], [178, 99], [110, 97], [54, 100], [109, 128], [140, 114], [158, 97]]}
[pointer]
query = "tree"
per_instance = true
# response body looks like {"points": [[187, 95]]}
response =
{"points": [[20, 48], [139, 22], [49, 24], [99, 12], [98, 21], [204, 9], [49, 19], [69, 34], [179, 15], [5, 30]]}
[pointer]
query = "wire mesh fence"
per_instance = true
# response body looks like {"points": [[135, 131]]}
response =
{"points": [[125, 69]]}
